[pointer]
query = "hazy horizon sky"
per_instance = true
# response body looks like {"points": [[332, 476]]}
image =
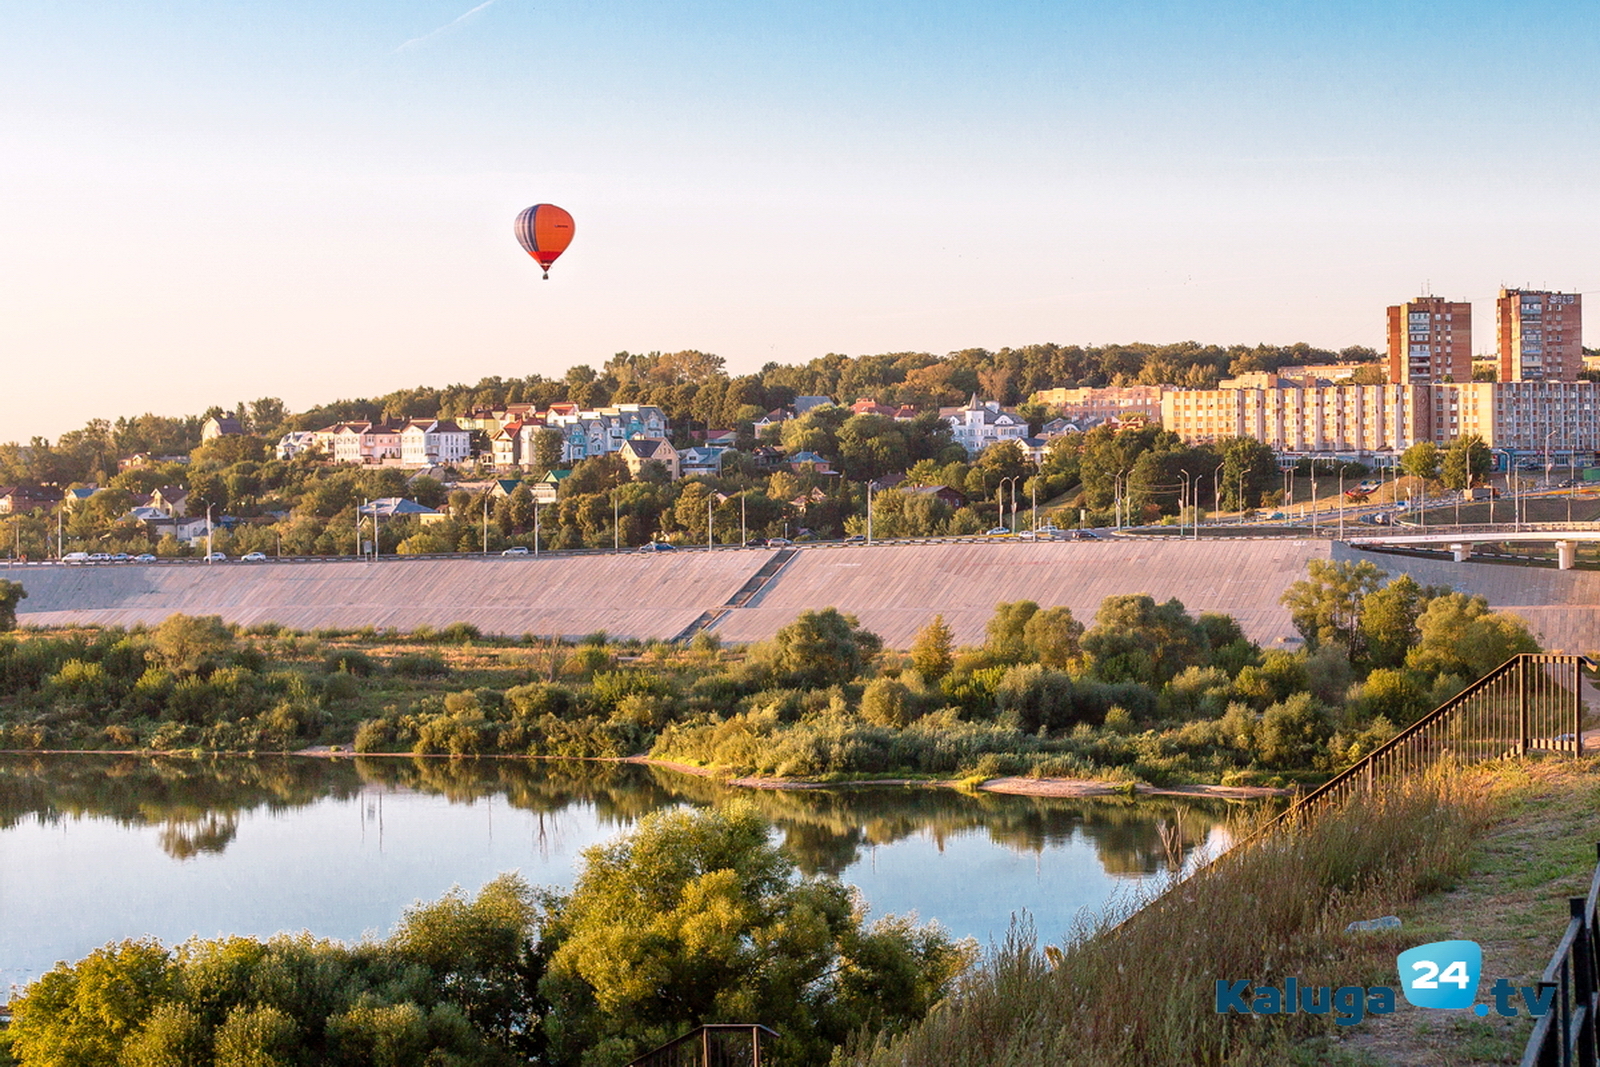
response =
{"points": [[202, 203]]}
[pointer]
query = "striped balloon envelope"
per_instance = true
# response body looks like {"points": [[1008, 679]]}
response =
{"points": [[545, 231]]}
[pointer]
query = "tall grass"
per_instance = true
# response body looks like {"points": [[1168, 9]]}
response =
{"points": [[1143, 993]]}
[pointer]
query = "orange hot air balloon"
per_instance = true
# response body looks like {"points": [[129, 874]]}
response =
{"points": [[545, 231]]}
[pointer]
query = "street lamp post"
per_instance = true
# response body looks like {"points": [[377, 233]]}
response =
{"points": [[486, 524], [869, 512], [1001, 497], [1547, 437], [616, 526], [1033, 491], [710, 503], [1341, 502], [208, 533], [535, 527], [1121, 476], [1183, 495]]}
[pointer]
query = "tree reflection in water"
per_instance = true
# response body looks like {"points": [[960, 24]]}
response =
{"points": [[198, 803]]}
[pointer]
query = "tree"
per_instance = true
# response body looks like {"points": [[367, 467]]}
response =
{"points": [[11, 593], [184, 642], [1134, 639], [1421, 460], [696, 917], [1006, 628], [1459, 635], [1249, 466], [931, 654], [1293, 733], [1326, 605], [547, 447], [1389, 620], [887, 702], [1052, 636], [822, 648], [1466, 461]]}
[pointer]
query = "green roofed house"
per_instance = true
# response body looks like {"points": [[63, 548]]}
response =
{"points": [[394, 507], [545, 489]]}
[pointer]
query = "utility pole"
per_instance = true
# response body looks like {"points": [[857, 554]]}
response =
{"points": [[710, 502], [535, 527], [869, 512], [208, 534], [486, 524]]}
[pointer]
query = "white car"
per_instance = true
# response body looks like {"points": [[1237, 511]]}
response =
{"points": [[998, 531], [252, 557], [516, 550], [217, 557], [144, 557], [75, 557]]}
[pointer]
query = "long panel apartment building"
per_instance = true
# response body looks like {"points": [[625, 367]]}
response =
{"points": [[1294, 418]]}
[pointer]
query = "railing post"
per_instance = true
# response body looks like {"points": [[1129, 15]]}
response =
{"points": [[1522, 708], [1583, 980], [1577, 707], [705, 1047]]}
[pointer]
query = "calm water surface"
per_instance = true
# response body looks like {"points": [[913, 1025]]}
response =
{"points": [[98, 848]]}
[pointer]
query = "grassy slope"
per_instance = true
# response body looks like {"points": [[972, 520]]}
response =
{"points": [[1539, 852]]}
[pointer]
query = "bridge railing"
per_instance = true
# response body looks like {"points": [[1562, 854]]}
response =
{"points": [[1487, 529]]}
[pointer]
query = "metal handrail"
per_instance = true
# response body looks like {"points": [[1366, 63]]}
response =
{"points": [[1566, 1035], [698, 1049]]}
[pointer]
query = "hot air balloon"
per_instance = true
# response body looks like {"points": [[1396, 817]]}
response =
{"points": [[545, 231]]}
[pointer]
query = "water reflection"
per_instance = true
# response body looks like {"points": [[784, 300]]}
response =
{"points": [[197, 803]]}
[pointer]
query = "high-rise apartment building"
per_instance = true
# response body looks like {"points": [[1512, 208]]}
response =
{"points": [[1541, 335], [1430, 340]]}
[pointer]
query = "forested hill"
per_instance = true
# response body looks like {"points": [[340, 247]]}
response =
{"points": [[690, 387]]}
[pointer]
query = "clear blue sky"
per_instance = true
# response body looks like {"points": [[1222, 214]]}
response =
{"points": [[208, 202]]}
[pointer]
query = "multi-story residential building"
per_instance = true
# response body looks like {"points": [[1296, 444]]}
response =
{"points": [[1562, 418], [1090, 407], [1540, 335], [506, 444], [1430, 340], [979, 425], [604, 430], [223, 425], [1325, 418], [638, 451], [360, 442], [425, 442]]}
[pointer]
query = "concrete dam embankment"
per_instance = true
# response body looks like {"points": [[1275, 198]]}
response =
{"points": [[892, 589]]}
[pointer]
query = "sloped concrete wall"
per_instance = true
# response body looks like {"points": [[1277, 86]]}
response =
{"points": [[893, 589]]}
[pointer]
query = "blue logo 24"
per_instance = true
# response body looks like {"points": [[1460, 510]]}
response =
{"points": [[1442, 974]]}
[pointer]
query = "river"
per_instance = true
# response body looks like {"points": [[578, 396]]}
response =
{"points": [[100, 848]]}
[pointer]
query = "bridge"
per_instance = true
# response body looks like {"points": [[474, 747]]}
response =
{"points": [[1564, 535]]}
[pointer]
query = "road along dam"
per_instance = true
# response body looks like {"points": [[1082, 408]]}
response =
{"points": [[747, 594]]}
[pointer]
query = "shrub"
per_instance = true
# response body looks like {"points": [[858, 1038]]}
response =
{"points": [[419, 665], [351, 660]]}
